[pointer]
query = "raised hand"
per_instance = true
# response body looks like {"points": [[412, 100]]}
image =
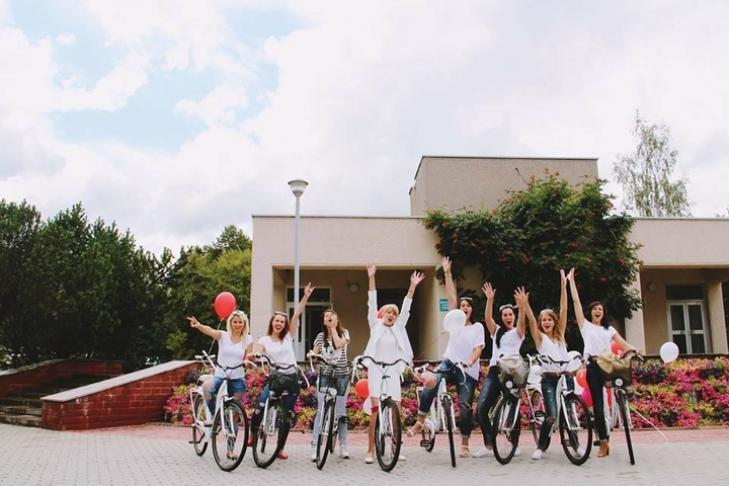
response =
{"points": [[521, 297], [563, 277], [308, 290], [488, 290], [571, 276], [446, 264], [371, 270], [416, 278], [194, 323]]}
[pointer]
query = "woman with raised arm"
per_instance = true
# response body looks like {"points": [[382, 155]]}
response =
{"points": [[464, 346], [597, 334], [232, 344], [278, 344], [548, 335], [506, 341], [332, 343], [388, 342]]}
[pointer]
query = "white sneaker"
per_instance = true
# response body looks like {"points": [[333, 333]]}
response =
{"points": [[537, 455], [369, 460], [581, 451], [517, 452], [343, 452], [483, 452], [402, 456]]}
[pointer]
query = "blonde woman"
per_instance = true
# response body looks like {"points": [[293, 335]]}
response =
{"points": [[232, 344]]}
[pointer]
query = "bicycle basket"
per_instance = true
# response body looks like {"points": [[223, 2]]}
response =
{"points": [[280, 382], [613, 366], [514, 367]]}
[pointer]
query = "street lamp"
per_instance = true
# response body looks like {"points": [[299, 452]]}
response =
{"points": [[297, 187]]}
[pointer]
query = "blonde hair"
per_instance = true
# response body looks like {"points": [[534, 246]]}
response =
{"points": [[553, 315], [229, 322], [387, 307]]}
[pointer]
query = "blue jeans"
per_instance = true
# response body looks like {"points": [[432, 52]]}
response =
{"points": [[341, 383], [465, 394], [549, 392], [236, 388], [486, 401]]}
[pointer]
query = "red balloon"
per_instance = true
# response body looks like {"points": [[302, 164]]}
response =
{"points": [[615, 348], [582, 378], [362, 388], [586, 397], [224, 304]]}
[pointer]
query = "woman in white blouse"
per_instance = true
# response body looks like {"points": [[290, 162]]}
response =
{"points": [[388, 342], [597, 334]]}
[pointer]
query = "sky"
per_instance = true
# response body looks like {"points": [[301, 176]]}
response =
{"points": [[176, 118]]}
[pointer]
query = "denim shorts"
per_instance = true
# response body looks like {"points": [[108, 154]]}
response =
{"points": [[234, 386]]}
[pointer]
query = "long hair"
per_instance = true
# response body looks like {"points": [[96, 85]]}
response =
{"points": [[470, 302], [502, 328], [555, 335], [283, 332], [603, 321], [340, 327], [229, 322]]}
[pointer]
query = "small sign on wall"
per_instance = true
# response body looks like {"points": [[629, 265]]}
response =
{"points": [[443, 305]]}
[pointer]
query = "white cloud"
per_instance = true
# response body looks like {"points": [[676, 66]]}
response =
{"points": [[66, 39], [217, 107]]}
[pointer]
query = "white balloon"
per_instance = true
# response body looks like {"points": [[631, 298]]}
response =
{"points": [[669, 352], [454, 320]]}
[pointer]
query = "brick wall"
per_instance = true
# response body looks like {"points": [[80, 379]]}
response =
{"points": [[137, 402], [43, 373]]}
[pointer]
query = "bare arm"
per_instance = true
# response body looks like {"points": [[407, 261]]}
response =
{"points": [[490, 293], [294, 323], [475, 355], [207, 330], [339, 342], [450, 286], [576, 299], [521, 297], [562, 324], [624, 345], [415, 280]]}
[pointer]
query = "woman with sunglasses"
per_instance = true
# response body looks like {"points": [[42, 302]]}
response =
{"points": [[232, 344], [388, 342], [506, 341], [464, 346], [278, 344]]}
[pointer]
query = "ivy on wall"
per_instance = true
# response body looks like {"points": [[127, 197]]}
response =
{"points": [[534, 233]]}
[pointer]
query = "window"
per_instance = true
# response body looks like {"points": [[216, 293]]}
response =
{"points": [[687, 326]]}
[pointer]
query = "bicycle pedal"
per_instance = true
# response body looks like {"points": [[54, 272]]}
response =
{"points": [[424, 443]]}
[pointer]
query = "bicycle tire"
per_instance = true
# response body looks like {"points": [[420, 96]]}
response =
{"points": [[536, 408], [199, 441], [261, 441], [323, 441], [504, 414], [236, 416], [571, 422], [448, 414], [625, 417], [393, 432]]}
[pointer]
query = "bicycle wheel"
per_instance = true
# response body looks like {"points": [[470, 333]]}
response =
{"points": [[502, 434], [267, 438], [536, 408], [575, 429], [448, 415], [388, 430], [625, 417], [323, 441], [199, 440], [229, 435]]}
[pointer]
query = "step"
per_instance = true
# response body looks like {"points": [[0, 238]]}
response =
{"points": [[20, 410], [21, 401], [27, 420]]}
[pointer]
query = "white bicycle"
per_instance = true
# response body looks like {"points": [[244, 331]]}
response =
{"points": [[229, 420]]}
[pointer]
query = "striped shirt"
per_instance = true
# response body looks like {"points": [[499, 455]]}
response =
{"points": [[337, 356]]}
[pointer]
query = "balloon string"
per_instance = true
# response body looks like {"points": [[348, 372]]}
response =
{"points": [[220, 323], [632, 409]]}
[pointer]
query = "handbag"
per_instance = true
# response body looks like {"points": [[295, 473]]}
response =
{"points": [[613, 366], [281, 382], [514, 367]]}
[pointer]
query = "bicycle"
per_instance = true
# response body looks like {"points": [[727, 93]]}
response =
{"points": [[623, 391], [389, 423], [535, 400], [224, 429], [574, 418], [275, 420], [442, 413], [327, 438], [506, 416]]}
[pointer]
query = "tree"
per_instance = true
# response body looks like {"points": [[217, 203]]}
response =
{"points": [[529, 237], [646, 174]]}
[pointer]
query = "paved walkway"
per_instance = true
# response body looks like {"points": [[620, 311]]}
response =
{"points": [[160, 455]]}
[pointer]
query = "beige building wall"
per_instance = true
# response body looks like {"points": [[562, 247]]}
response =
{"points": [[458, 183], [682, 242]]}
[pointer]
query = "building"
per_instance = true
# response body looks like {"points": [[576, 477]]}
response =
{"points": [[684, 260]]}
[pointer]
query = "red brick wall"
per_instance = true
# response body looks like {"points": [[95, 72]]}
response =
{"points": [[56, 371], [134, 403]]}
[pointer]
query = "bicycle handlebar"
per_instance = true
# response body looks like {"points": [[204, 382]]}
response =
{"points": [[460, 366], [281, 366], [357, 363]]}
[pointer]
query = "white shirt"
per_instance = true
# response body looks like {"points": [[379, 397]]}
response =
{"points": [[597, 338], [231, 354], [556, 350], [281, 352], [378, 328], [510, 344], [462, 343]]}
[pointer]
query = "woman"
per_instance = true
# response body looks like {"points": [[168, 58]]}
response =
{"points": [[464, 346], [549, 340], [506, 341], [332, 343], [388, 342], [232, 344], [278, 344], [597, 335]]}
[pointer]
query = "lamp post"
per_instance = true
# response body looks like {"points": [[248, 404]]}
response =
{"points": [[297, 187]]}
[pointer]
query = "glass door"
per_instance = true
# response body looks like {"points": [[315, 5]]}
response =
{"points": [[687, 326]]}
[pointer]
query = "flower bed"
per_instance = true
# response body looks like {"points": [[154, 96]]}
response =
{"points": [[686, 393]]}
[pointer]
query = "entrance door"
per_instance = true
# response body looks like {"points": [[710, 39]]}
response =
{"points": [[310, 320], [687, 321]]}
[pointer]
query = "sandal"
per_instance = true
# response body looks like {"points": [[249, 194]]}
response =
{"points": [[465, 451], [417, 428]]}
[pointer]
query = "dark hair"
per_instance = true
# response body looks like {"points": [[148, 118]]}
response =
{"points": [[284, 330], [340, 327], [502, 329], [470, 302], [603, 321]]}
